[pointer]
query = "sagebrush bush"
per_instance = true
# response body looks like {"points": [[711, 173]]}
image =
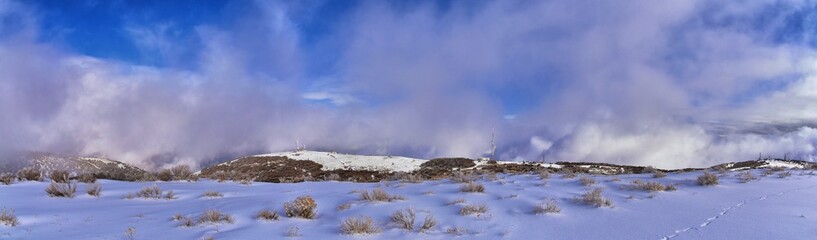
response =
{"points": [[461, 177], [784, 174], [659, 174], [544, 174], [183, 172], [594, 198], [651, 186], [266, 214], [8, 218], [404, 218], [215, 216], [151, 192], [428, 223], [359, 225], [86, 178], [212, 194], [587, 181], [30, 174], [220, 176], [60, 176], [472, 187], [302, 207], [164, 175], [567, 173], [7, 178], [94, 189], [708, 179], [58, 189], [546, 207], [473, 209], [746, 176], [379, 195], [455, 201], [344, 206]]}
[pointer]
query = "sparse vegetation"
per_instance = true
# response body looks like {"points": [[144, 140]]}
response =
{"points": [[6, 178], [183, 172], [293, 232], [8, 218], [212, 194], [746, 176], [461, 177], [473, 209], [94, 189], [30, 174], [567, 173], [784, 174], [708, 179], [151, 192], [59, 176], [58, 189], [594, 198], [86, 178], [344, 206], [215, 217], [301, 207], [455, 201], [472, 187], [428, 223], [651, 186], [659, 174], [456, 231], [404, 218], [359, 225], [268, 215], [130, 233], [587, 181], [546, 208], [544, 174], [379, 195]]}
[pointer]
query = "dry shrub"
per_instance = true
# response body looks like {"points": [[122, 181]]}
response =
{"points": [[409, 178], [266, 214], [784, 174], [164, 175], [86, 178], [708, 179], [215, 217], [151, 192], [30, 174], [302, 207], [659, 174], [359, 225], [186, 221], [651, 186], [57, 189], [720, 169], [344, 206], [473, 209], [594, 198], [332, 177], [379, 195], [59, 176], [8, 218], [220, 176], [544, 174], [170, 195], [293, 232], [461, 177], [746, 176], [7, 178], [130, 233], [428, 223], [455, 201], [404, 218], [546, 207], [457, 231], [587, 181], [212, 194], [567, 173], [472, 187], [183, 172], [94, 189]]}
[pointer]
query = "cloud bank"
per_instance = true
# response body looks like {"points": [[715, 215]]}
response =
{"points": [[668, 84]]}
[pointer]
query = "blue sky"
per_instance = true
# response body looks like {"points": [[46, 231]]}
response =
{"points": [[589, 81]]}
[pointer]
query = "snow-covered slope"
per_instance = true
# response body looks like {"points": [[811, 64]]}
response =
{"points": [[337, 161], [769, 208], [48, 162]]}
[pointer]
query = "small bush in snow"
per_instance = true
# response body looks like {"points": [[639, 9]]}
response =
{"points": [[708, 179], [461, 177], [332, 177], [746, 176], [455, 201], [302, 207], [215, 217], [183, 172], [151, 192], [86, 178], [472, 187], [359, 225], [587, 181], [59, 176], [184, 221], [30, 174], [784, 174], [651, 186], [220, 176], [293, 232], [130, 233], [212, 194], [544, 174], [57, 189], [266, 214], [379, 195], [473, 209], [659, 174], [6, 178], [94, 189], [8, 218], [567, 173], [428, 224], [164, 175], [546, 207], [404, 218], [594, 198], [344, 206], [457, 231]]}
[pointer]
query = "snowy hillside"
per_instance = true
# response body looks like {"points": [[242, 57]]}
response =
{"points": [[775, 205], [335, 161]]}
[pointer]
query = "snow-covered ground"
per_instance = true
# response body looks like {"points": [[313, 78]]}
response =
{"points": [[335, 161], [769, 208]]}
